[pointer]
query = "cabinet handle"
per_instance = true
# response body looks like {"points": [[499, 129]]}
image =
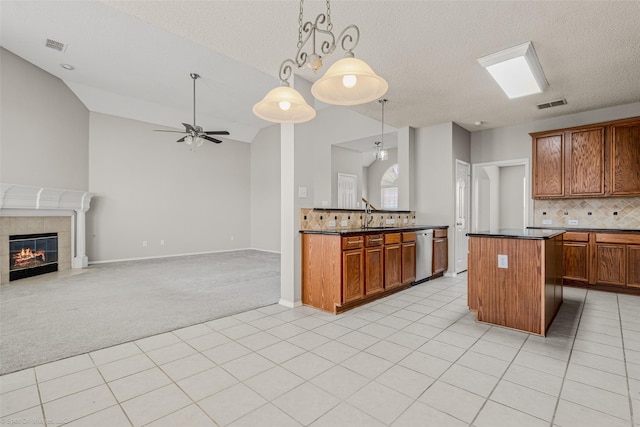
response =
{"points": [[440, 240], [351, 242], [375, 240]]}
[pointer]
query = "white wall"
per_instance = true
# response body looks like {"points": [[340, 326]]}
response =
{"points": [[148, 187], [44, 128], [265, 189]]}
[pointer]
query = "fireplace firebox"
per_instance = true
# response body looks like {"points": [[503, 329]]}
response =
{"points": [[32, 254]]}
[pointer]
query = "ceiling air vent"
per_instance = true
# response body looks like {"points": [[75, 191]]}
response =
{"points": [[56, 45], [550, 104]]}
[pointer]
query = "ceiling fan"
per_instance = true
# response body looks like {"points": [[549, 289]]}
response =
{"points": [[195, 135]]}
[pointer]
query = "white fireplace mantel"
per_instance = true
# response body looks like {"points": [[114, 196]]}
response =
{"points": [[24, 200]]}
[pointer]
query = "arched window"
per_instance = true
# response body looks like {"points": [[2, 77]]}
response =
{"points": [[389, 188]]}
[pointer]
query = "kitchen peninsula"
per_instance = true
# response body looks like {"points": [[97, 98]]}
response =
{"points": [[515, 277], [345, 268]]}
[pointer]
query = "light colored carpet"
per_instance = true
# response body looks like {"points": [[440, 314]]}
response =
{"points": [[108, 304]]}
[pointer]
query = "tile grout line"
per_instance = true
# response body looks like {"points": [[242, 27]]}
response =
{"points": [[118, 403]]}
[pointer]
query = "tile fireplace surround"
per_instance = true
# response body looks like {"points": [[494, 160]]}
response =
{"points": [[29, 210]]}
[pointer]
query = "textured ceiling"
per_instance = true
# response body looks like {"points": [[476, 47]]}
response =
{"points": [[133, 58]]}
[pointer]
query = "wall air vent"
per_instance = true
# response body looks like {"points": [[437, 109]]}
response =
{"points": [[56, 45], [550, 104]]}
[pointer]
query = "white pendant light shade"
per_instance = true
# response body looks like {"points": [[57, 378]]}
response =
{"points": [[284, 105], [350, 81]]}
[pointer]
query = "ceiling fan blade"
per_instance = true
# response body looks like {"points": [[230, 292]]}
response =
{"points": [[217, 132], [208, 138], [174, 131], [188, 127], [182, 139]]}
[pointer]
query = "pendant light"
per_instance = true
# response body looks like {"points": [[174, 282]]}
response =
{"points": [[350, 81], [381, 153]]}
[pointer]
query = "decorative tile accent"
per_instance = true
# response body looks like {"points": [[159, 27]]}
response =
{"points": [[311, 219], [590, 213]]}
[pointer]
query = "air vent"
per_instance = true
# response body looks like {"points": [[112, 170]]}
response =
{"points": [[56, 45], [550, 104]]}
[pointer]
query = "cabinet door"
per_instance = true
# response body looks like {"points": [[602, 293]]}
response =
{"points": [[584, 154], [374, 268], [392, 265], [575, 257], [610, 263], [548, 166], [352, 275], [408, 262], [624, 173], [440, 255], [633, 266]]}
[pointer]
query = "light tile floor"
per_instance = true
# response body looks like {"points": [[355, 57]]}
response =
{"points": [[416, 358]]}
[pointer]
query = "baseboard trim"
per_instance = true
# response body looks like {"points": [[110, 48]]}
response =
{"points": [[290, 304], [174, 255], [265, 250]]}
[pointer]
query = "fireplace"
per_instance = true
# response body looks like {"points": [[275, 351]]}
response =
{"points": [[32, 254]]}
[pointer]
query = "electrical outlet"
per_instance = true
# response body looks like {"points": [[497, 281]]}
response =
{"points": [[573, 222], [391, 221], [546, 222], [144, 243], [503, 261], [344, 223], [332, 223], [325, 203], [302, 192], [233, 238], [161, 242], [405, 221]]}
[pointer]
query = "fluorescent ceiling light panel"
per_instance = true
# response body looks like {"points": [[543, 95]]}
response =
{"points": [[516, 70]]}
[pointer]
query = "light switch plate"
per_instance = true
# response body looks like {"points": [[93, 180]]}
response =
{"points": [[546, 222], [573, 222], [503, 261], [302, 192]]}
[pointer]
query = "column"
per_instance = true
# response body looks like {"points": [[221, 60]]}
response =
{"points": [[80, 259]]}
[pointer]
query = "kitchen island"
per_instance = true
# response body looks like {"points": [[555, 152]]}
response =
{"points": [[515, 277]]}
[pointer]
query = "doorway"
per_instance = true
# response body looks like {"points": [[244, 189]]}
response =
{"points": [[501, 195], [463, 176], [347, 185]]}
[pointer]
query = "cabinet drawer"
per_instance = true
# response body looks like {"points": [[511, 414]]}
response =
{"points": [[392, 238], [440, 232], [408, 237], [352, 242], [576, 236], [374, 240], [623, 238]]}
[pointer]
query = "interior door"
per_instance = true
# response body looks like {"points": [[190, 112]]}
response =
{"points": [[463, 199], [347, 187]]}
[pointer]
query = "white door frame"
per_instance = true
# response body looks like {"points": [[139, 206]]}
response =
{"points": [[461, 221], [475, 204]]}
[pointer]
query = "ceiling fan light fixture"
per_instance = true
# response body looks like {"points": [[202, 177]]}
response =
{"points": [[284, 104], [350, 81]]}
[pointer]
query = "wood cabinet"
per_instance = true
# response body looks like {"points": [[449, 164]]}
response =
{"points": [[597, 160], [374, 264], [340, 272], [604, 261], [408, 257], [392, 260], [440, 260], [353, 268], [584, 162], [624, 173], [575, 256]]}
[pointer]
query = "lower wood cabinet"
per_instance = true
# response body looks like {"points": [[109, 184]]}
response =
{"points": [[606, 261], [440, 251], [392, 260], [352, 274], [408, 257], [374, 264]]}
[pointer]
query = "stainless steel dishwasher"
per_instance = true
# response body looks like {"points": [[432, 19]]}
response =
{"points": [[424, 255]]}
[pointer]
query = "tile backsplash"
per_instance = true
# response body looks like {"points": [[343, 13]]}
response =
{"points": [[613, 212], [311, 219]]}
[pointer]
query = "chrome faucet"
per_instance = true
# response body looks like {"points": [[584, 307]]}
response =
{"points": [[367, 213]]}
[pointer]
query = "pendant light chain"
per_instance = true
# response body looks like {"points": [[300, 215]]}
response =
{"points": [[300, 23], [329, 24], [383, 101]]}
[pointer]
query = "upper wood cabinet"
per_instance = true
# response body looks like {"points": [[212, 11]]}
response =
{"points": [[624, 175], [598, 160]]}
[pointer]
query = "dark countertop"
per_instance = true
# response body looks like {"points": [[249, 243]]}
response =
{"points": [[344, 231], [597, 230], [519, 233]]}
